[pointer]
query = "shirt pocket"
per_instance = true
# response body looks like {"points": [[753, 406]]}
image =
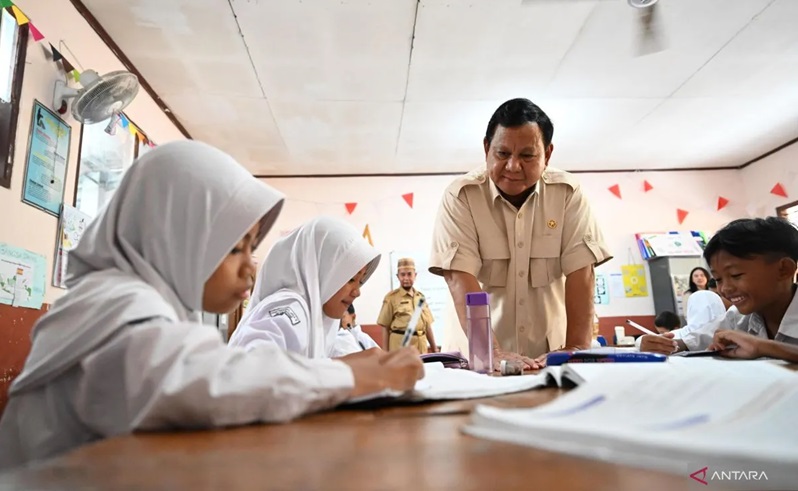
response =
{"points": [[495, 262], [544, 260]]}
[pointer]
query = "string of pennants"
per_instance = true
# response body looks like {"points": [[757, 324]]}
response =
{"points": [[720, 203], [351, 206], [69, 69]]}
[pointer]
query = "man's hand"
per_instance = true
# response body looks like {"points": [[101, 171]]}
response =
{"points": [[541, 360], [737, 344], [433, 349], [395, 370], [527, 363], [663, 344]]}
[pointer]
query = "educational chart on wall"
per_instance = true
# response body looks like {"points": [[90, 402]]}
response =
{"points": [[46, 166], [601, 294], [634, 280], [433, 287], [22, 277], [70, 229]]}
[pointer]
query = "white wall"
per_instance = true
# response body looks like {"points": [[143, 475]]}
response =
{"points": [[394, 226], [22, 225], [760, 177]]}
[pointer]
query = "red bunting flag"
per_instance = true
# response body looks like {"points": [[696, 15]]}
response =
{"points": [[408, 199], [647, 186], [722, 202], [367, 235], [681, 215], [35, 34], [350, 207], [779, 190], [616, 190]]}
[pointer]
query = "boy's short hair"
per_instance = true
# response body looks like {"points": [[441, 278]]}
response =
{"points": [[712, 284], [351, 309], [748, 237], [668, 320]]}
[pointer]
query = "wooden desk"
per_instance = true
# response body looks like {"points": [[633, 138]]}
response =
{"points": [[412, 447]]}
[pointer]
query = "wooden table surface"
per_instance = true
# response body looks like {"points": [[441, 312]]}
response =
{"points": [[411, 447]]}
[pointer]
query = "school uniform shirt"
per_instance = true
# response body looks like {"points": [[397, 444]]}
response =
{"points": [[124, 348], [352, 340], [704, 314], [519, 256], [300, 274]]}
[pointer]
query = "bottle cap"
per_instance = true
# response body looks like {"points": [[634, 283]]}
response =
{"points": [[477, 298]]}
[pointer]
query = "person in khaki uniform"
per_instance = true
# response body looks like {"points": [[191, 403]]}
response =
{"points": [[524, 233], [398, 307]]}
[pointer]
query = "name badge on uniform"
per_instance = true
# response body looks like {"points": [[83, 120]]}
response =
{"points": [[286, 311]]}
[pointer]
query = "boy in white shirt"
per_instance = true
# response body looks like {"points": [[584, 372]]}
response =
{"points": [[351, 338]]}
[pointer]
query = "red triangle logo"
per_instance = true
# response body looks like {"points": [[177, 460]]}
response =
{"points": [[350, 207], [616, 190], [681, 215], [779, 190], [647, 186], [408, 199], [722, 202]]}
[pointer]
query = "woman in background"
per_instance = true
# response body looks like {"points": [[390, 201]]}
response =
{"points": [[699, 280]]}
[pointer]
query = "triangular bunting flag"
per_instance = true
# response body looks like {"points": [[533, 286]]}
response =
{"points": [[68, 68], [681, 215], [151, 144], [22, 19], [616, 190], [722, 202], [408, 199], [367, 235], [76, 75], [56, 54], [132, 129], [350, 208], [123, 120], [6, 3], [34, 33], [141, 137], [647, 186], [779, 190]]}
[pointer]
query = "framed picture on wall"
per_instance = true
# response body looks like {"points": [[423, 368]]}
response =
{"points": [[46, 165], [106, 152]]}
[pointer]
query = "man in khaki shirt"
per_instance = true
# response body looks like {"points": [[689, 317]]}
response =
{"points": [[524, 233], [398, 307]]}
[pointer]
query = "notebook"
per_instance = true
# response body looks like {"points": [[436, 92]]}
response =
{"points": [[666, 416]]}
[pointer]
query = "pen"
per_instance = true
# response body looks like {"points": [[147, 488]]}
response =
{"points": [[413, 324], [641, 328]]}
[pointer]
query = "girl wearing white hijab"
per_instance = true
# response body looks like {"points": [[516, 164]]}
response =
{"points": [[124, 349], [704, 313], [305, 286]]}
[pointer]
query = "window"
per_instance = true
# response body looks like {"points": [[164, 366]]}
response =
{"points": [[103, 160], [789, 211], [13, 46]]}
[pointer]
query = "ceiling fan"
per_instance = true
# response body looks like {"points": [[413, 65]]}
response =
{"points": [[649, 30]]}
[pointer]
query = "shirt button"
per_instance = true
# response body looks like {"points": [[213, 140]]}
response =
{"points": [[520, 245], [454, 244], [521, 274], [520, 215], [588, 237], [520, 301], [520, 328]]}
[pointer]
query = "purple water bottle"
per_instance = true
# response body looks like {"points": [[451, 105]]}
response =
{"points": [[480, 334]]}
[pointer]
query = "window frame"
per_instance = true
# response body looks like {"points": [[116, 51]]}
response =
{"points": [[8, 124]]}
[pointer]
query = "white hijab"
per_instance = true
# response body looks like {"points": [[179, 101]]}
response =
{"points": [[313, 263], [704, 306], [176, 215]]}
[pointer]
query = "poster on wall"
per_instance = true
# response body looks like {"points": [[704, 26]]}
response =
{"points": [[46, 165], [681, 283], [433, 287], [601, 293], [22, 277], [70, 229], [634, 280]]}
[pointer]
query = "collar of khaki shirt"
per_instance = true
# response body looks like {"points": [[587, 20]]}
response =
{"points": [[495, 194]]}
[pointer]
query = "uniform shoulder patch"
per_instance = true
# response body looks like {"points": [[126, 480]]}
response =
{"points": [[286, 311]]}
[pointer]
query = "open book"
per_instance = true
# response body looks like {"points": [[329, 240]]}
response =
{"points": [[441, 383], [683, 416]]}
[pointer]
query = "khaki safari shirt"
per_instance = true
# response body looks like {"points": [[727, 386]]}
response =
{"points": [[397, 308], [519, 256]]}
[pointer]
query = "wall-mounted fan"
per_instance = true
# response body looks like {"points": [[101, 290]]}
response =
{"points": [[100, 96]]}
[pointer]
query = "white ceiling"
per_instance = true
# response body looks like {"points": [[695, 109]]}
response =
{"points": [[343, 86]]}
